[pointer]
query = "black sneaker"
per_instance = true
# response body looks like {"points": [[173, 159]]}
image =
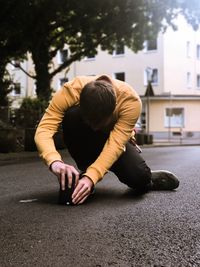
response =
{"points": [[164, 180]]}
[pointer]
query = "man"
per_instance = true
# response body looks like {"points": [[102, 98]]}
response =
{"points": [[98, 115]]}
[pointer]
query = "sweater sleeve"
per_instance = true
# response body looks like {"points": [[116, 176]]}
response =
{"points": [[128, 114], [50, 122]]}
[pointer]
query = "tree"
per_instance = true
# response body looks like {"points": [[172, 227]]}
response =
{"points": [[47, 25], [191, 11], [5, 86], [11, 32]]}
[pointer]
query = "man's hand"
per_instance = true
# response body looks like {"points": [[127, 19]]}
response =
{"points": [[82, 190], [60, 169]]}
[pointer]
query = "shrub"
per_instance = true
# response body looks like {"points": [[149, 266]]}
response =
{"points": [[5, 88], [4, 125], [30, 112], [8, 138]]}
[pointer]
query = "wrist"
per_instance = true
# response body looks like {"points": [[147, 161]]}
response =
{"points": [[91, 182], [50, 167], [92, 185]]}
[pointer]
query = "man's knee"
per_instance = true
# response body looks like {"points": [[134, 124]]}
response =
{"points": [[140, 179]]}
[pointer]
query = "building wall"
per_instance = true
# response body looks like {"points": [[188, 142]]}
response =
{"points": [[27, 84], [191, 112], [131, 63], [178, 60]]}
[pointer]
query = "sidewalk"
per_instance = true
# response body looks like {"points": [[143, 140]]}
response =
{"points": [[177, 142], [23, 157], [26, 156], [17, 157]]}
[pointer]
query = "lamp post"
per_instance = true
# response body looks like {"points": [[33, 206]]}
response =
{"points": [[169, 114]]}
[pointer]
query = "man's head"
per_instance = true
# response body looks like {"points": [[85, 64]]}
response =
{"points": [[97, 102]]}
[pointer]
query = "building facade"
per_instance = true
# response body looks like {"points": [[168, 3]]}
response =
{"points": [[171, 63]]}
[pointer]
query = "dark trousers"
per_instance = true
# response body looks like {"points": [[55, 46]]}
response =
{"points": [[85, 145]]}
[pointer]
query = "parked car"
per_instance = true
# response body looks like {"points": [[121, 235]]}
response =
{"points": [[139, 135], [138, 127]]}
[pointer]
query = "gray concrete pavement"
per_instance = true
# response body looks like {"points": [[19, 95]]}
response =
{"points": [[114, 228]]}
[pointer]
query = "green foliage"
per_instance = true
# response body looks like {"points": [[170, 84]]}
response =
{"points": [[191, 11], [30, 112], [4, 125], [5, 87], [12, 28], [8, 139]]}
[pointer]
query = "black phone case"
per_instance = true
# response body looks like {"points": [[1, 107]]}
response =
{"points": [[65, 196]]}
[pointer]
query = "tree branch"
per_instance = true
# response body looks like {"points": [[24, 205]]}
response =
{"points": [[66, 64], [20, 67], [76, 57]]}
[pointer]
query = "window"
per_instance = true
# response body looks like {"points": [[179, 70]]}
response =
{"points": [[120, 76], [63, 80], [154, 78], [90, 57], [16, 89], [198, 51], [151, 45], [188, 79], [188, 49], [174, 117], [151, 76], [62, 56], [198, 81], [119, 50], [34, 89], [15, 64]]}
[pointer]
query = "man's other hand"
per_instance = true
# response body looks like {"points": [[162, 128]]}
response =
{"points": [[60, 169], [83, 190]]}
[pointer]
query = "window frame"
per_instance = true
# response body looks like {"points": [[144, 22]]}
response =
{"points": [[198, 81], [174, 122], [188, 49], [198, 51], [118, 52], [61, 81], [153, 72], [147, 45], [89, 58], [189, 79], [61, 55], [14, 90], [119, 73]]}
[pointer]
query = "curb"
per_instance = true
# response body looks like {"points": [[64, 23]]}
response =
{"points": [[169, 145]]}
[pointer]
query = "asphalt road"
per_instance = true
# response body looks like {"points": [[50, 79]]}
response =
{"points": [[114, 228]]}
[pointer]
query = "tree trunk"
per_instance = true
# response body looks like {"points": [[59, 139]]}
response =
{"points": [[43, 81], [4, 84], [2, 70]]}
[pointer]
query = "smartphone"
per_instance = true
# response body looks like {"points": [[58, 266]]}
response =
{"points": [[65, 196]]}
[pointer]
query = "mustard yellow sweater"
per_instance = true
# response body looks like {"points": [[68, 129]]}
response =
{"points": [[127, 111]]}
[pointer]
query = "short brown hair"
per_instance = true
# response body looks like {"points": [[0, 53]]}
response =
{"points": [[97, 101]]}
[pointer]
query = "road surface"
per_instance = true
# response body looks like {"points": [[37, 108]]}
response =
{"points": [[114, 228]]}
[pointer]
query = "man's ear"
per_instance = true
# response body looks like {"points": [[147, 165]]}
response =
{"points": [[104, 78]]}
